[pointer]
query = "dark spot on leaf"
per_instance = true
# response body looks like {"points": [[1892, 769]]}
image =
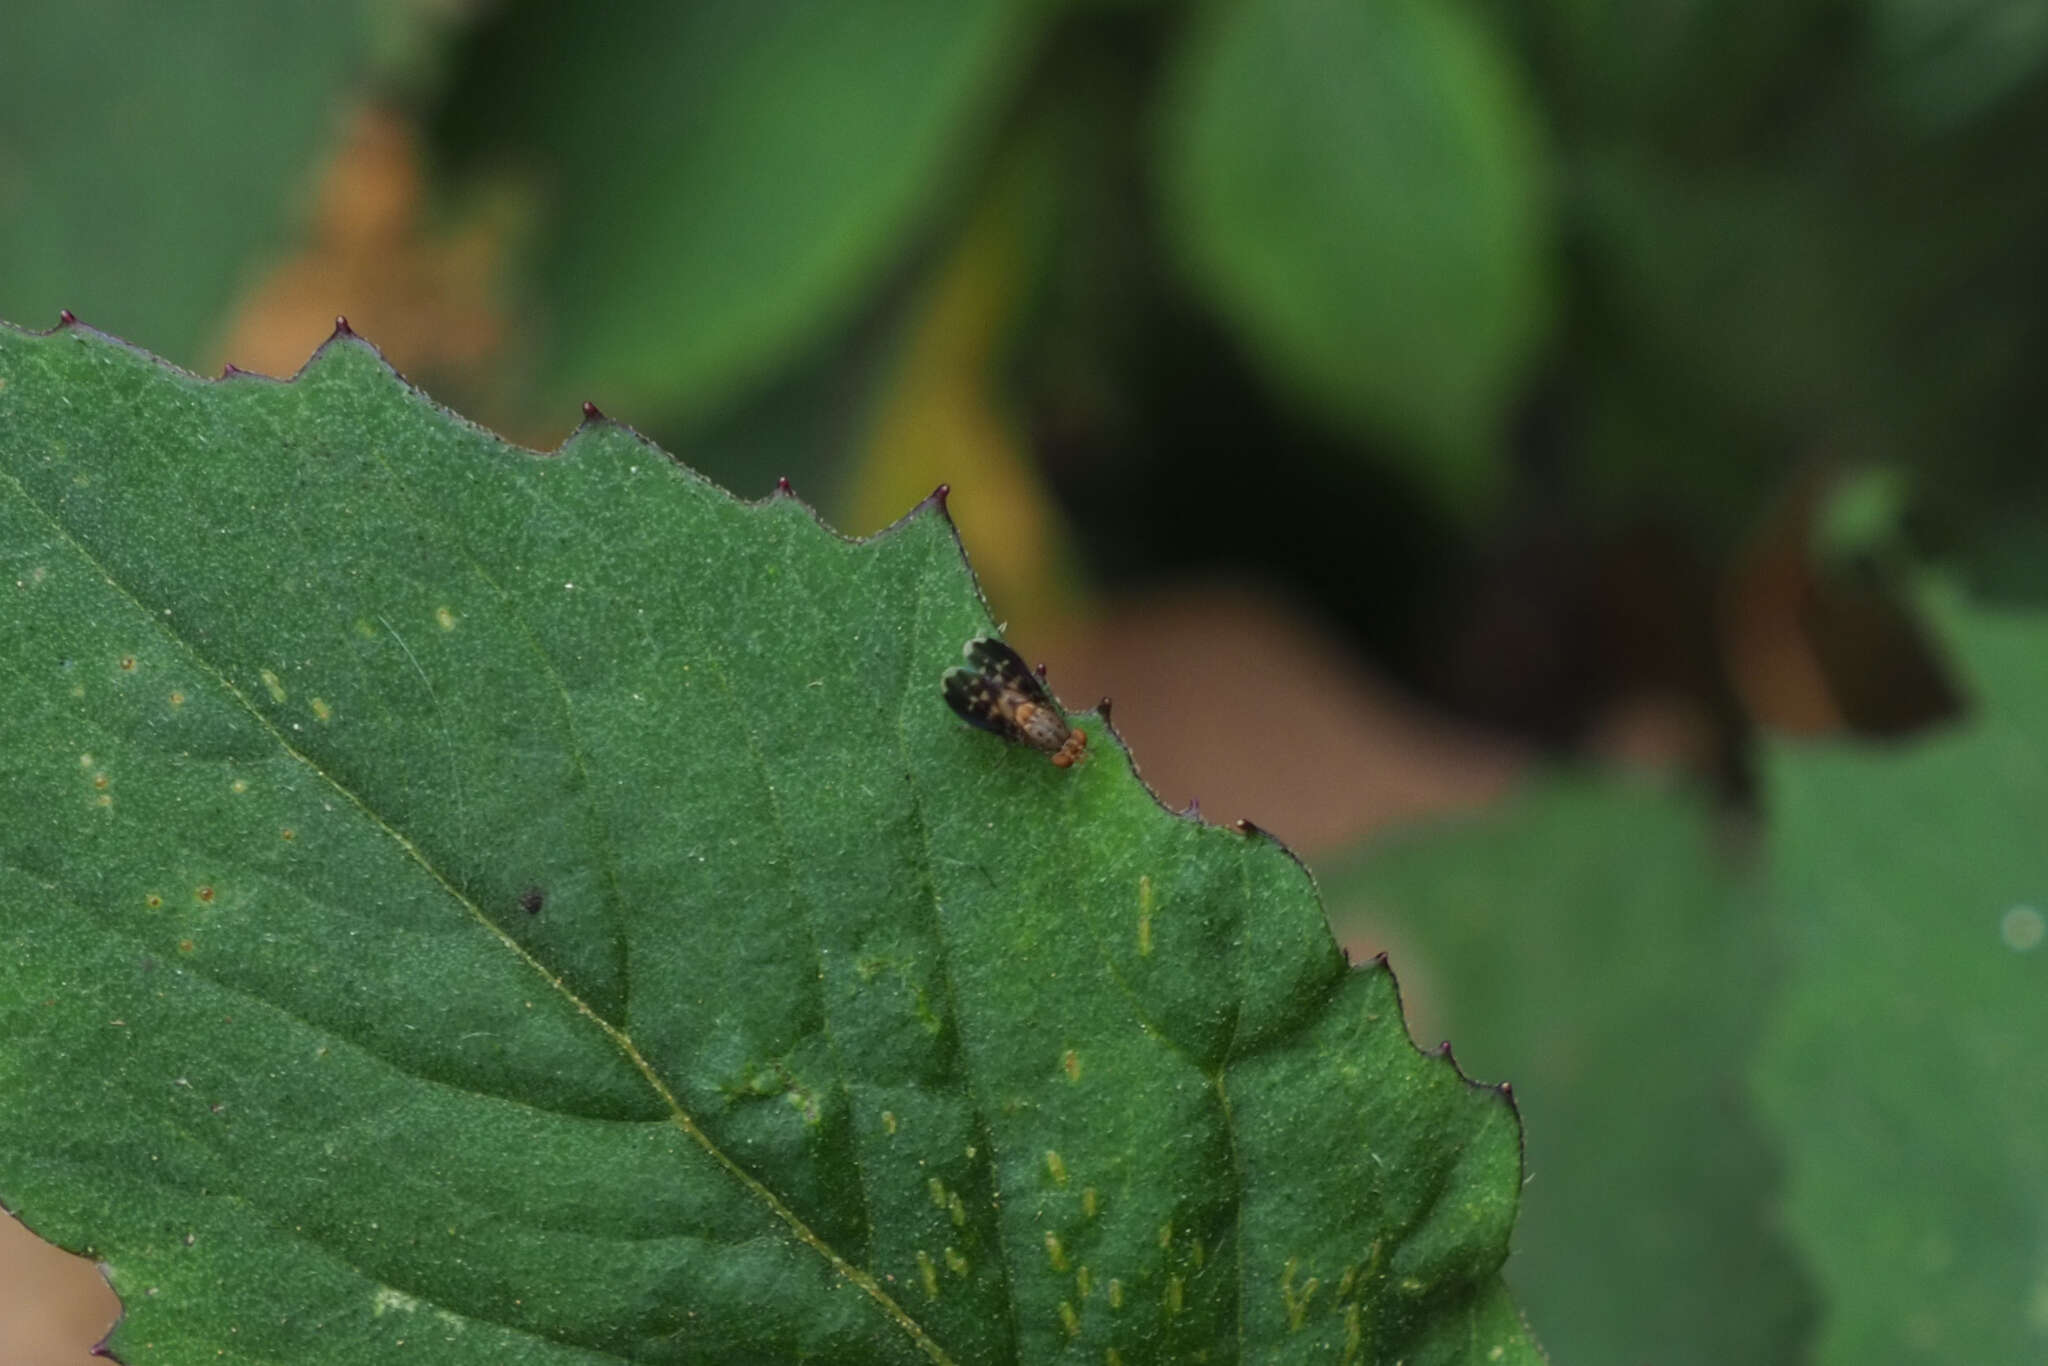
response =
{"points": [[531, 900], [206, 893]]}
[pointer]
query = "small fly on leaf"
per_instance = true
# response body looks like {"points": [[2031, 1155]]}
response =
{"points": [[997, 692]]}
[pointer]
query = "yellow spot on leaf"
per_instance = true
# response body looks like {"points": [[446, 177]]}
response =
{"points": [[1055, 1252], [1081, 1281], [937, 1190], [1297, 1305], [889, 1121], [321, 711], [928, 1274], [1116, 1293], [445, 617], [1057, 1166], [386, 1300], [1175, 1294], [177, 698], [1089, 1204], [1070, 1320], [274, 685], [956, 1262], [238, 787]]}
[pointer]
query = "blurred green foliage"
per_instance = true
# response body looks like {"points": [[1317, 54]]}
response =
{"points": [[149, 154], [727, 180], [1360, 189], [1902, 1069], [1591, 940], [1460, 270], [1779, 1109]]}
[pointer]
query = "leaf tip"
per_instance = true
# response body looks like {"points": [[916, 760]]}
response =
{"points": [[592, 413], [104, 1347], [66, 318], [783, 488], [341, 327]]}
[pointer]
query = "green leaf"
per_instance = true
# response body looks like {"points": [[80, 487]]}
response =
{"points": [[733, 175], [1903, 1072], [1945, 66], [541, 909], [1586, 942], [148, 153], [1359, 188]]}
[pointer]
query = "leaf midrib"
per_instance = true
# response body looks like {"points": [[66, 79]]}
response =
{"points": [[619, 1039]]}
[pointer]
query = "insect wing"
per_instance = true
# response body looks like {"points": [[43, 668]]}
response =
{"points": [[977, 700], [1002, 665]]}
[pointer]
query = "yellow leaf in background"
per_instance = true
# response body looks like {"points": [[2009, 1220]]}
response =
{"points": [[943, 421]]}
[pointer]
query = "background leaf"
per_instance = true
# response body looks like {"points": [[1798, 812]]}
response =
{"points": [[147, 154], [1359, 188], [1588, 941], [541, 908], [1902, 1072], [1947, 64], [770, 163]]}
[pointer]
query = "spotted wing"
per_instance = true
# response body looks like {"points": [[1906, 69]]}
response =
{"points": [[1006, 668], [977, 700]]}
